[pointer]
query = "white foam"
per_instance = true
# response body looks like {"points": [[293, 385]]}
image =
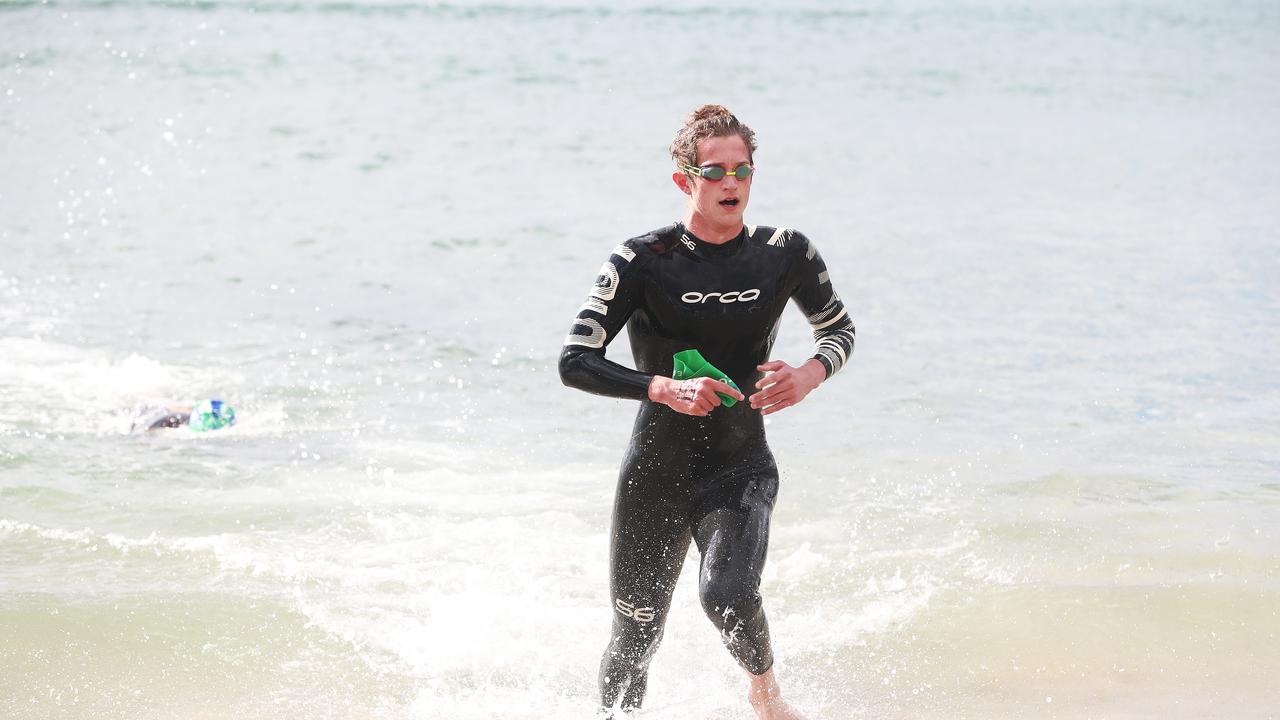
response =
{"points": [[65, 389]]}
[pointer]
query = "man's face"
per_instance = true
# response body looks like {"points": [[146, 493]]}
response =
{"points": [[719, 202]]}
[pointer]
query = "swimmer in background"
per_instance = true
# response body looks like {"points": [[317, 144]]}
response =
{"points": [[204, 416]]}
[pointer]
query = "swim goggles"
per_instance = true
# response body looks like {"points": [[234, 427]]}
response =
{"points": [[715, 172]]}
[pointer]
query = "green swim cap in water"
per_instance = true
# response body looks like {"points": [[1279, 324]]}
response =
{"points": [[690, 364], [211, 415]]}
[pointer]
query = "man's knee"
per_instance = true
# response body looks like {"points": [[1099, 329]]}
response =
{"points": [[638, 612], [637, 631], [723, 596]]}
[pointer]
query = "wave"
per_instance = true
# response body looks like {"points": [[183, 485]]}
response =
{"points": [[399, 7], [64, 388]]}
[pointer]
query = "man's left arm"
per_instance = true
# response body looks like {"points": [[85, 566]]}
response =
{"points": [[833, 336]]}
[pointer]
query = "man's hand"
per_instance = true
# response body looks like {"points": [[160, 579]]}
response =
{"points": [[695, 396], [785, 386]]}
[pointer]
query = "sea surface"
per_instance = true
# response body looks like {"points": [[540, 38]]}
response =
{"points": [[1046, 486]]}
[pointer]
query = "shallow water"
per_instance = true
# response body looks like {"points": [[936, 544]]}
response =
{"points": [[1048, 485]]}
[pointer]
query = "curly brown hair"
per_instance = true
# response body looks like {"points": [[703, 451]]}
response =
{"points": [[706, 122]]}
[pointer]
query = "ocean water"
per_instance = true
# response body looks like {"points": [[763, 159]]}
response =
{"points": [[1047, 485]]}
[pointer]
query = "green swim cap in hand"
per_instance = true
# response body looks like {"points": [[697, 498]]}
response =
{"points": [[690, 364]]}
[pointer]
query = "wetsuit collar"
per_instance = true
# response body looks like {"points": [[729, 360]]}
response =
{"points": [[702, 248]]}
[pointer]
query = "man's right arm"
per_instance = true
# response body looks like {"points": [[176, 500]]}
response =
{"points": [[614, 296]]}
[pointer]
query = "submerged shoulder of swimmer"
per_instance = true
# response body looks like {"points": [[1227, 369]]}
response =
{"points": [[203, 416]]}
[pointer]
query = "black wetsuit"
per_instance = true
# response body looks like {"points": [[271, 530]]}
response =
{"points": [[710, 479]]}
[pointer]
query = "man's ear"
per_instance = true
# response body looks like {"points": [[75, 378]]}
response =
{"points": [[682, 181]]}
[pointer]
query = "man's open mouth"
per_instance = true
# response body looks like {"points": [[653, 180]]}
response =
{"points": [[731, 202]]}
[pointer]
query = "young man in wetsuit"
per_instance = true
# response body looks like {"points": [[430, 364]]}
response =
{"points": [[699, 470]]}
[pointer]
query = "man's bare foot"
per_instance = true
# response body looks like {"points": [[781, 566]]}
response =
{"points": [[766, 699], [776, 710]]}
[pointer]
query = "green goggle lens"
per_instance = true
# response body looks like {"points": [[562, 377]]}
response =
{"points": [[715, 172]]}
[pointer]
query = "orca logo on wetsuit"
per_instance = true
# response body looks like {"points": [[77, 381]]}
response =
{"points": [[697, 298]]}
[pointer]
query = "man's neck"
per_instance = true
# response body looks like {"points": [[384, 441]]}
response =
{"points": [[709, 232]]}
